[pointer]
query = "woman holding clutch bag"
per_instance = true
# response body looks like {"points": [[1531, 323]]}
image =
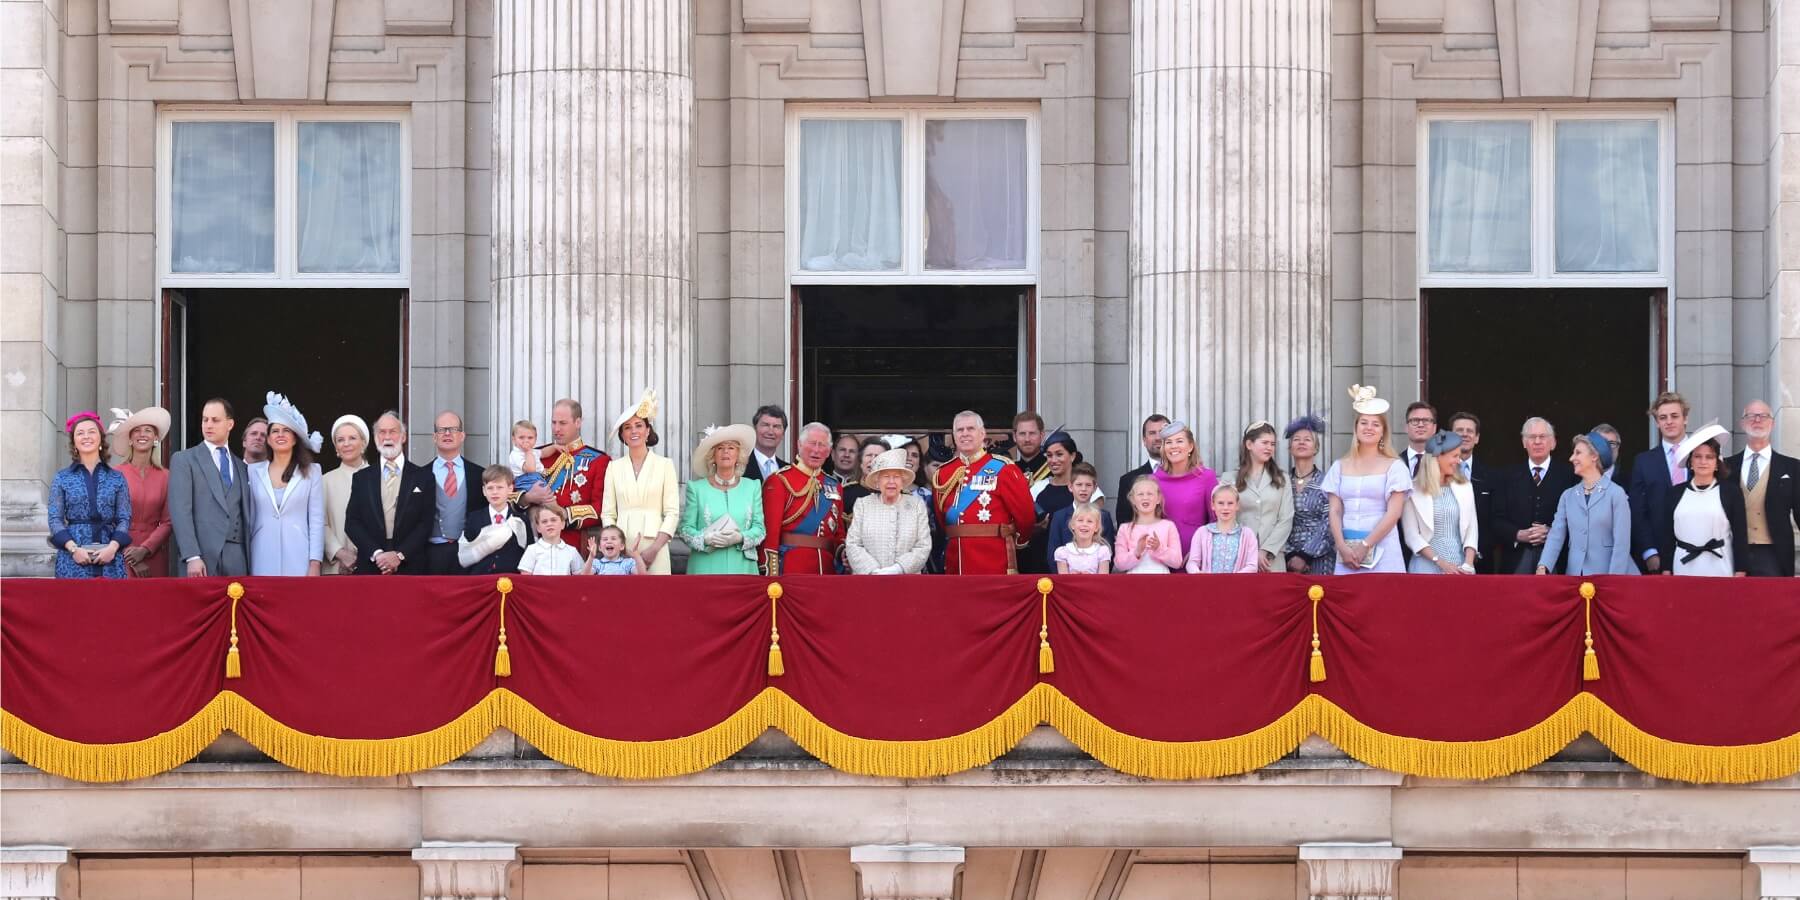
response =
{"points": [[721, 522]]}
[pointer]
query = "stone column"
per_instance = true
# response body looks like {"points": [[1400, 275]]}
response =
{"points": [[1230, 237], [464, 871], [592, 236], [906, 871], [1780, 869], [32, 873], [1351, 871]]}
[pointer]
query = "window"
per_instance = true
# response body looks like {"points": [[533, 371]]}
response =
{"points": [[1551, 196], [263, 198], [883, 195]]}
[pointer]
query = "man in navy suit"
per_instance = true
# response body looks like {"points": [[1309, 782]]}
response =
{"points": [[1771, 487], [1653, 473], [1486, 484], [391, 506], [1528, 505]]}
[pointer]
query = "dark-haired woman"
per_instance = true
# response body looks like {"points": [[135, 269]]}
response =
{"points": [[287, 497], [1265, 505], [90, 507], [643, 493]]}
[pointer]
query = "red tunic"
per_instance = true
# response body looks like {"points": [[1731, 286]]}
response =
{"points": [[803, 512], [1000, 513], [577, 477]]}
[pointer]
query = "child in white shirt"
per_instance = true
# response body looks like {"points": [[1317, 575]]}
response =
{"points": [[549, 555], [527, 467]]}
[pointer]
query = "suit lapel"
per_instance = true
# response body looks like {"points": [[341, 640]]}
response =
{"points": [[213, 483]]}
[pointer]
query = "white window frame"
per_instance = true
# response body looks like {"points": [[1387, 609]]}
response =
{"points": [[287, 178], [1543, 121], [912, 197]]}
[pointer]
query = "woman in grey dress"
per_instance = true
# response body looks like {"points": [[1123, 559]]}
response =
{"points": [[287, 497], [1593, 518], [1439, 518]]}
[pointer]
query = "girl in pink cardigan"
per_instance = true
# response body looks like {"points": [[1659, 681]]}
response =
{"points": [[1149, 543], [1223, 545]]}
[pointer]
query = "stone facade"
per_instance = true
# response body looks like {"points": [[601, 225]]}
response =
{"points": [[657, 256]]}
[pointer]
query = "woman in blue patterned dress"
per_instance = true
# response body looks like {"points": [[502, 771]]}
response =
{"points": [[90, 507], [1309, 543]]}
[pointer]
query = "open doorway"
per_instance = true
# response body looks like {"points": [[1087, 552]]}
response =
{"points": [[332, 352], [909, 357], [1576, 357]]}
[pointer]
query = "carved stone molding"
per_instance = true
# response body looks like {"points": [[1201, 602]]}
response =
{"points": [[1686, 15], [1409, 15], [419, 16], [911, 47], [1047, 15], [31, 872], [1780, 871], [1351, 871], [262, 31], [906, 871], [1556, 58], [777, 15], [464, 871], [144, 16]]}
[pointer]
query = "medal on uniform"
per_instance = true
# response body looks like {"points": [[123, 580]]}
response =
{"points": [[983, 514], [985, 499]]}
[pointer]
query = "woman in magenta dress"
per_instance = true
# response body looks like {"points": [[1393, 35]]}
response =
{"points": [[1368, 489], [1186, 482], [136, 440]]}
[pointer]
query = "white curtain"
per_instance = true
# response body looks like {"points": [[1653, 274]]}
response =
{"points": [[849, 195], [1607, 208], [349, 196], [222, 197], [1478, 205], [975, 194]]}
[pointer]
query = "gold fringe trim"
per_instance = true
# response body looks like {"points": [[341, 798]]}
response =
{"points": [[1459, 760]]}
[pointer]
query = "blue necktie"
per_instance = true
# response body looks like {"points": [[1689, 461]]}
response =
{"points": [[225, 468]]}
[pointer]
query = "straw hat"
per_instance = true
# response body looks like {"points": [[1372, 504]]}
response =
{"points": [[891, 461], [742, 435], [125, 422]]}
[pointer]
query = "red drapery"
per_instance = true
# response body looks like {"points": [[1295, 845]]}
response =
{"points": [[1179, 676]]}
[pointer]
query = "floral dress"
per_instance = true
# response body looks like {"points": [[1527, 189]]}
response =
{"points": [[90, 508], [1311, 536]]}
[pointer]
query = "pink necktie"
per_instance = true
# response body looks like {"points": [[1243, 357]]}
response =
{"points": [[498, 519], [1674, 470]]}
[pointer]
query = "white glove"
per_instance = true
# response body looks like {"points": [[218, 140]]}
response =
{"points": [[890, 570], [717, 540]]}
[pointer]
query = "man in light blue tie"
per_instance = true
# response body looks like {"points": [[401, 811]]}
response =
{"points": [[207, 499]]}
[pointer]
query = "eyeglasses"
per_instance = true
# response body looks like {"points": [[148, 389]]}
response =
{"points": [[449, 429], [1757, 417], [1613, 444], [1421, 421]]}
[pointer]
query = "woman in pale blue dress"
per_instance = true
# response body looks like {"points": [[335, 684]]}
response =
{"points": [[1368, 489], [287, 497]]}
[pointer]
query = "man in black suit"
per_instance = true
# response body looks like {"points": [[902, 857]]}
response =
{"points": [[1486, 484], [1771, 488], [1528, 505], [1653, 473], [1151, 434], [456, 494], [391, 506], [771, 425], [1421, 424]]}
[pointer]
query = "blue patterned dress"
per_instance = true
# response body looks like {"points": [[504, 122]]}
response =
{"points": [[89, 508]]}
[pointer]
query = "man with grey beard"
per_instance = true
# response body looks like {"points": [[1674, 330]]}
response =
{"points": [[392, 505], [1771, 485]]}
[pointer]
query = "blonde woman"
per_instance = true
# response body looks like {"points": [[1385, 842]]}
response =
{"points": [[1439, 518], [1368, 488]]}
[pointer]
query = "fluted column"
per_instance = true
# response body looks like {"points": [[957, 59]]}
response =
{"points": [[593, 245], [1230, 213]]}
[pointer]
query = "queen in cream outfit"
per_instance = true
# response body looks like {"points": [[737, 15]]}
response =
{"points": [[643, 493]]}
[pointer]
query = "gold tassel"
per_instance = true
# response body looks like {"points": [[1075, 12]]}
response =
{"points": [[1046, 658], [503, 657], [234, 667], [1590, 664], [776, 668], [1315, 670]]}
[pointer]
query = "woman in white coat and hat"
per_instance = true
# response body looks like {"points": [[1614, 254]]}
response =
{"points": [[722, 518], [287, 496], [890, 529]]}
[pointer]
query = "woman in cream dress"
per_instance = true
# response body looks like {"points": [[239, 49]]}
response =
{"points": [[643, 493], [350, 437]]}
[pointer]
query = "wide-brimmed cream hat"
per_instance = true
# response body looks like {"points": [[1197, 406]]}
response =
{"points": [[742, 435], [644, 409], [125, 422], [891, 461], [1712, 431]]}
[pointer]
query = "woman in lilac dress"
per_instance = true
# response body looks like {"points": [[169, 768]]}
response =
{"points": [[1368, 489]]}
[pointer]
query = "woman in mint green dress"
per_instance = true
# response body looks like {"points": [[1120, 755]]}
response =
{"points": [[722, 520]]}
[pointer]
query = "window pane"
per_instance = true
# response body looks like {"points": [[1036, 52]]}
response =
{"points": [[849, 195], [349, 197], [975, 194], [1607, 208], [222, 197], [1479, 197]]}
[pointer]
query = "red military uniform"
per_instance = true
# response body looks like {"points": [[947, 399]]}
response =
{"points": [[803, 511], [985, 505], [577, 476]]}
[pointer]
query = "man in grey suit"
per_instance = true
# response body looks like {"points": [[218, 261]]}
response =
{"points": [[207, 491]]}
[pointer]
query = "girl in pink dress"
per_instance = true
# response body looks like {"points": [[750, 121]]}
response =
{"points": [[1149, 543]]}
